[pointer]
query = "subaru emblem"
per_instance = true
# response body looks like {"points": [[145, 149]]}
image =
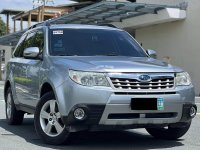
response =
{"points": [[144, 78]]}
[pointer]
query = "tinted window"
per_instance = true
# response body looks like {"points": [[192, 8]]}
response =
{"points": [[24, 44], [39, 40], [29, 40], [33, 39], [19, 48], [93, 42]]}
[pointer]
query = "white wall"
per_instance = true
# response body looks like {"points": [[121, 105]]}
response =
{"points": [[8, 52], [7, 57], [179, 40]]}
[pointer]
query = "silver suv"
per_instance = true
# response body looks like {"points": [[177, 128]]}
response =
{"points": [[82, 77]]}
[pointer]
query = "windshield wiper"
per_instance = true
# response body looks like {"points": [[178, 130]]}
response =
{"points": [[64, 55], [112, 54]]}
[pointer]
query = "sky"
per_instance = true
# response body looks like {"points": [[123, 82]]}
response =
{"points": [[23, 5]]}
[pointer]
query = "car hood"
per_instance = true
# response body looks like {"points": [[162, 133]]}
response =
{"points": [[115, 64]]}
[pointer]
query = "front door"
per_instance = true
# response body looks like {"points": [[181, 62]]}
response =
{"points": [[27, 75]]}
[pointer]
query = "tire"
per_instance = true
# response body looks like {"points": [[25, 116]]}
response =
{"points": [[48, 122], [170, 133], [13, 116]]}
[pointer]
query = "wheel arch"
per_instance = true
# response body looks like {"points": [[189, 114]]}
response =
{"points": [[46, 87]]}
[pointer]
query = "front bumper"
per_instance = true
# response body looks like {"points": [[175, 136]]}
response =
{"points": [[95, 117], [108, 107]]}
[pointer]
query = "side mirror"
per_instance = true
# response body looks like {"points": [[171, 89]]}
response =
{"points": [[152, 53], [31, 52]]}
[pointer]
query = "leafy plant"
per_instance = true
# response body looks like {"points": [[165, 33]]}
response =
{"points": [[2, 27]]}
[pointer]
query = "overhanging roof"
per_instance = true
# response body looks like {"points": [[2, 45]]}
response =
{"points": [[106, 12], [10, 11], [110, 12], [11, 39]]}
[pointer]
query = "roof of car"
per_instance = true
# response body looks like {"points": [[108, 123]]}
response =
{"points": [[82, 26]]}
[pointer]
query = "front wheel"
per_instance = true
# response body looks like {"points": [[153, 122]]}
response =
{"points": [[169, 133], [13, 116], [48, 123]]}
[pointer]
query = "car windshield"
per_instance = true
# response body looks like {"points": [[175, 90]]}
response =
{"points": [[93, 42]]}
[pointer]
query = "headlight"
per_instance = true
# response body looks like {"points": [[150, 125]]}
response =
{"points": [[88, 78], [183, 78]]}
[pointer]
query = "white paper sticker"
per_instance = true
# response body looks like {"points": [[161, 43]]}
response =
{"points": [[58, 32]]}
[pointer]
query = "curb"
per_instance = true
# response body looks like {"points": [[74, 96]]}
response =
{"points": [[197, 99]]}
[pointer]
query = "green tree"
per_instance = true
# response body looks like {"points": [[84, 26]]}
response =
{"points": [[2, 27]]}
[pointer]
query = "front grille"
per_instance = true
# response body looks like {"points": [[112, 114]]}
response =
{"points": [[156, 83]]}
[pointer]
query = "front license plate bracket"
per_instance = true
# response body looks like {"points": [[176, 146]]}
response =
{"points": [[147, 104]]}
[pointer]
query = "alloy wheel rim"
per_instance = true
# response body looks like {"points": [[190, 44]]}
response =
{"points": [[50, 119], [8, 106]]}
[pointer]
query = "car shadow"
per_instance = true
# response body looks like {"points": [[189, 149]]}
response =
{"points": [[131, 139]]}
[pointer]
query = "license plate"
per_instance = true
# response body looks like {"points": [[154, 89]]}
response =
{"points": [[147, 104]]}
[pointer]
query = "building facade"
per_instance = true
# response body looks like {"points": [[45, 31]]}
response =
{"points": [[179, 40]]}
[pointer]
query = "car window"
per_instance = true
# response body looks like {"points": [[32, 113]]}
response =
{"points": [[32, 39], [29, 40], [25, 44], [39, 40], [93, 42], [19, 47]]}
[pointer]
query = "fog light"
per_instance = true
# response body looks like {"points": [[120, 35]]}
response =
{"points": [[79, 113], [193, 112]]}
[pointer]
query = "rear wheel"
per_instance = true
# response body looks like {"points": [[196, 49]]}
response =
{"points": [[169, 133], [48, 123], [13, 116]]}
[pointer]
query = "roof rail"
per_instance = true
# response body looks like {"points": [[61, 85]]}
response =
{"points": [[45, 23], [108, 25]]}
